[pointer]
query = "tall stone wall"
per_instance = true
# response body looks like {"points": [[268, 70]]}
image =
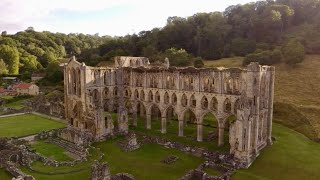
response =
{"points": [[134, 86]]}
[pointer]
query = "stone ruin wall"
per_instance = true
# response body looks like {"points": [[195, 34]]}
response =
{"points": [[91, 93]]}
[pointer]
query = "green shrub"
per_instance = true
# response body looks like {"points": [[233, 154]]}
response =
{"points": [[293, 52]]}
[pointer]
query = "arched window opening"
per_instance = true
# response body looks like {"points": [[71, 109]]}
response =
{"points": [[142, 96], [227, 106], [229, 85], [115, 91], [157, 97], [214, 104], [136, 94], [193, 101], [174, 99], [166, 98], [204, 103], [150, 96], [184, 100]]}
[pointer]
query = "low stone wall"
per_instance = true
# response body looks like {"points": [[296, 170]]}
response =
{"points": [[199, 173], [196, 151]]}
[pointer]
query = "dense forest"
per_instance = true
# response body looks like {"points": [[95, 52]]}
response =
{"points": [[265, 31]]}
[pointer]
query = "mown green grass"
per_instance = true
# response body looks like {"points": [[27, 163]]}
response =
{"points": [[27, 124], [4, 175], [292, 157], [145, 163], [81, 175], [51, 150]]}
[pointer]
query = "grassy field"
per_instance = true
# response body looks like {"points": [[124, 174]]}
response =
{"points": [[297, 92], [4, 175], [144, 163], [27, 124], [51, 150]]}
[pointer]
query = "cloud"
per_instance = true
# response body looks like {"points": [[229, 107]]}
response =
{"points": [[114, 17]]}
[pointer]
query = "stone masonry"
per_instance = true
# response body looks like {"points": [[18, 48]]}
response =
{"points": [[135, 87]]}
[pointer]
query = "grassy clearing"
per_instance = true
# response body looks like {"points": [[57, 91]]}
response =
{"points": [[4, 175], [27, 124], [292, 156], [212, 172], [51, 150], [82, 175], [226, 62], [144, 163]]}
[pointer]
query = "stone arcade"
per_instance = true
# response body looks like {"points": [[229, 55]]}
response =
{"points": [[135, 86]]}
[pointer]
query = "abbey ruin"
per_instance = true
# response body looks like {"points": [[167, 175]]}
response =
{"points": [[136, 89]]}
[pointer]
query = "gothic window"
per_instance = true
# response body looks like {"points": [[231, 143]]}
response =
{"points": [[174, 99], [204, 103], [150, 96], [184, 100], [166, 98], [214, 104], [227, 106], [136, 94], [142, 96], [193, 101], [157, 97], [106, 92]]}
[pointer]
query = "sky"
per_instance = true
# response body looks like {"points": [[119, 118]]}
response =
{"points": [[106, 17]]}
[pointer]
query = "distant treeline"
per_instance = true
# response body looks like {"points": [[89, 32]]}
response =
{"points": [[265, 31]]}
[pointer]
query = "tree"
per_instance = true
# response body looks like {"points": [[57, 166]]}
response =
{"points": [[241, 47], [293, 52], [198, 62], [3, 67], [10, 55], [177, 57]]}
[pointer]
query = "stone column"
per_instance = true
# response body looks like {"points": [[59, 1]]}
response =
{"points": [[163, 125], [221, 136], [180, 127], [134, 118], [148, 123], [199, 132]]}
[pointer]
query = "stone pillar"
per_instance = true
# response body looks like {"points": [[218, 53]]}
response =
{"points": [[134, 118], [221, 136], [199, 132], [180, 127], [163, 125], [148, 121]]}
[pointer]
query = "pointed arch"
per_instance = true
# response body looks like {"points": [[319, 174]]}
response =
{"points": [[150, 96], [193, 101], [166, 98], [136, 94], [106, 93], [174, 99], [204, 103], [214, 104], [227, 105], [157, 97], [142, 95], [184, 100]]}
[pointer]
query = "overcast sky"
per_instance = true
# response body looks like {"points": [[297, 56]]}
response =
{"points": [[106, 17]]}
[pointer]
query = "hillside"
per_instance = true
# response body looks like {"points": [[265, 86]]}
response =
{"points": [[297, 102]]}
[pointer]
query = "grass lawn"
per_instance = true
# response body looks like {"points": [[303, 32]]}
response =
{"points": [[51, 150], [212, 172], [292, 157], [144, 163], [26, 124], [4, 175]]}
